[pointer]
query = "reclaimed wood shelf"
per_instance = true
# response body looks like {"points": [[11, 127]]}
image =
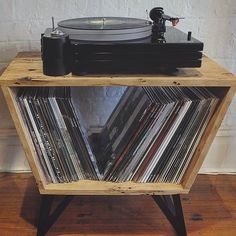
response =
{"points": [[26, 71]]}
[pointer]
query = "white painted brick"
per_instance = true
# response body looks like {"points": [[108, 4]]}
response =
{"points": [[94, 103], [112, 92], [109, 105], [227, 63], [7, 8], [34, 45], [16, 31], [3, 65], [226, 9], [5, 118], [9, 50], [98, 92], [234, 67]]}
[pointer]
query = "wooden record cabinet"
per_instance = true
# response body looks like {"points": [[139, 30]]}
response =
{"points": [[26, 71]]}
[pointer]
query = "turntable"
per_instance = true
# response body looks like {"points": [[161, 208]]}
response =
{"points": [[118, 45]]}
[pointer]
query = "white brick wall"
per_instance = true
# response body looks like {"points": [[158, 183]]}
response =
{"points": [[213, 22], [97, 103]]}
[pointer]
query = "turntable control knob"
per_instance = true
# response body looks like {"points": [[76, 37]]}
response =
{"points": [[189, 36], [57, 33]]}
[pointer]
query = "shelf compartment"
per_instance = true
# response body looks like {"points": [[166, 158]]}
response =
{"points": [[85, 187]]}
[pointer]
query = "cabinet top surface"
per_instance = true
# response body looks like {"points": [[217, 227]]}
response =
{"points": [[26, 70]]}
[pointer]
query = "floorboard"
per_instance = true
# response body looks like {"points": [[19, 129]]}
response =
{"points": [[210, 210]]}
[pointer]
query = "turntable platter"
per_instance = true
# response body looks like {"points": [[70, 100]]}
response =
{"points": [[106, 28]]}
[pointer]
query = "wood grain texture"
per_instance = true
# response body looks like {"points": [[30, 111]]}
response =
{"points": [[26, 70], [128, 188], [24, 136], [210, 210], [88, 187], [208, 138]]}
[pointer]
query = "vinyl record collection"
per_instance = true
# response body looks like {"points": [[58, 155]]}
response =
{"points": [[59, 138], [150, 136]]}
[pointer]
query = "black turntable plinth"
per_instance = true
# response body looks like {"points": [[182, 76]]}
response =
{"points": [[137, 56], [119, 45]]}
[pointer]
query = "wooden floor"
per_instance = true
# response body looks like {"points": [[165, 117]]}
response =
{"points": [[210, 209]]}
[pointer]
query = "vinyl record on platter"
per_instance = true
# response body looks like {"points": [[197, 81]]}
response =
{"points": [[106, 28]]}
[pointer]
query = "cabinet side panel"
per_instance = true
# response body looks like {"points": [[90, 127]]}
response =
{"points": [[208, 137], [24, 136]]}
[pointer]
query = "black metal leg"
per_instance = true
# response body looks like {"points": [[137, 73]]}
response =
{"points": [[172, 208], [46, 220], [45, 208]]}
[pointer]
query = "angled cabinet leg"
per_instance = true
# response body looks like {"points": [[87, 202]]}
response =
{"points": [[172, 208], [46, 218], [45, 209]]}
